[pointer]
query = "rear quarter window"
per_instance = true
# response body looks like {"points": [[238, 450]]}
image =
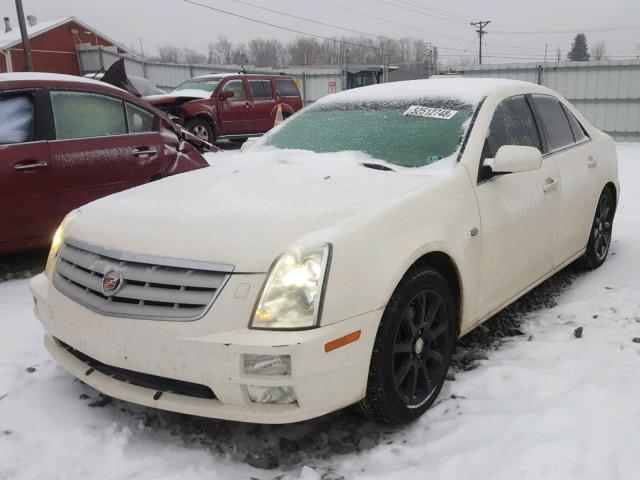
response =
{"points": [[287, 88]]}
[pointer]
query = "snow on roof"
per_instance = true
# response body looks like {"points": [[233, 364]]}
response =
{"points": [[468, 90], [9, 39], [50, 77]]}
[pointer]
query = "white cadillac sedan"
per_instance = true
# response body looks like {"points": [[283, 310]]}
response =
{"points": [[334, 262]]}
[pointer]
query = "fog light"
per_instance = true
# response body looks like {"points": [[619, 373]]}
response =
{"points": [[277, 395], [267, 364]]}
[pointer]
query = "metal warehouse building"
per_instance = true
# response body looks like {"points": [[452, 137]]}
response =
{"points": [[54, 45]]}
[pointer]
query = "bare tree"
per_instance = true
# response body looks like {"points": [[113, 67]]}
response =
{"points": [[240, 55], [225, 49], [190, 55], [599, 51], [558, 54], [265, 52], [212, 54], [168, 54]]}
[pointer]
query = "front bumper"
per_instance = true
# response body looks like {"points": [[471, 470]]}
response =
{"points": [[210, 352]]}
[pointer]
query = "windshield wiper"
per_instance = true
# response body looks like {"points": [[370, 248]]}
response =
{"points": [[377, 166]]}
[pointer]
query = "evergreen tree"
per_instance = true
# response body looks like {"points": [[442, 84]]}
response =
{"points": [[579, 51]]}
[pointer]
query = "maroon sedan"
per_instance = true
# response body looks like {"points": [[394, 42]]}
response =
{"points": [[65, 141]]}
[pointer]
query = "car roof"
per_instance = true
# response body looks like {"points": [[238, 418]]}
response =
{"points": [[53, 78], [224, 75], [466, 90]]}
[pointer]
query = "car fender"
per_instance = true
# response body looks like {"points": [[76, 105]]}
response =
{"points": [[396, 235]]}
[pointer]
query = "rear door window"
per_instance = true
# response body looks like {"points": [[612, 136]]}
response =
{"points": [[287, 88], [16, 119], [513, 123], [82, 115], [237, 87], [260, 88], [138, 119], [555, 123]]}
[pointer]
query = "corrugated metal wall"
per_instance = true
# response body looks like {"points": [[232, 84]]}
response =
{"points": [[606, 92], [313, 82]]}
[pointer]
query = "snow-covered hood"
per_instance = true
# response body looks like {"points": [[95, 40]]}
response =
{"points": [[174, 96], [246, 209]]}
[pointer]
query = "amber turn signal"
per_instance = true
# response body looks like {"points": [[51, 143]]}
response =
{"points": [[342, 341]]}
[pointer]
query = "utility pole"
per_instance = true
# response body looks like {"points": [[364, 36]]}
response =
{"points": [[481, 33], [25, 37]]}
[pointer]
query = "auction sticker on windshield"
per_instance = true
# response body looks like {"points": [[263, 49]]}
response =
{"points": [[429, 112]]}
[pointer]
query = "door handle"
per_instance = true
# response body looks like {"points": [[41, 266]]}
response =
{"points": [[550, 184], [247, 105], [144, 152], [29, 166], [591, 162]]}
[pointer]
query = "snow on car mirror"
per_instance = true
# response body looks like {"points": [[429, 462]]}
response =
{"points": [[516, 159]]}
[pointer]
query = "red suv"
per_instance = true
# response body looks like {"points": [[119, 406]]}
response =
{"points": [[230, 106], [65, 141]]}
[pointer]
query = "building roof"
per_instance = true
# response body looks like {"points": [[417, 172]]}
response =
{"points": [[13, 38]]}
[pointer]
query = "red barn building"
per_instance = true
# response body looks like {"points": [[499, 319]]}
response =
{"points": [[53, 45]]}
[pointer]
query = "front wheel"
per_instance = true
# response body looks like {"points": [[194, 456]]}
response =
{"points": [[201, 129], [413, 348], [600, 236]]}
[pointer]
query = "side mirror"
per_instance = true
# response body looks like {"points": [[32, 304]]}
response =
{"points": [[227, 94], [513, 159]]}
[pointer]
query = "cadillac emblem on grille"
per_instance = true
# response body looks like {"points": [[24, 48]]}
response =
{"points": [[111, 283]]}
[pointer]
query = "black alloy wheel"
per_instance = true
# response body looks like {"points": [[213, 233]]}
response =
{"points": [[412, 350]]}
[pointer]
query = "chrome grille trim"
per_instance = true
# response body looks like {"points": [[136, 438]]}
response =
{"points": [[154, 288]]}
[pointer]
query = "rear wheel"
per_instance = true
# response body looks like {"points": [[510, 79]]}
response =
{"points": [[412, 350], [600, 236], [201, 129]]}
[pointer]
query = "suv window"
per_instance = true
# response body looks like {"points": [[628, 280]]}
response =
{"points": [[556, 125], [237, 87], [16, 119], [260, 88], [512, 124], [138, 119], [82, 115], [579, 134], [287, 88]]}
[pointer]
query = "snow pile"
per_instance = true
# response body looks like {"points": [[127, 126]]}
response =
{"points": [[546, 404]]}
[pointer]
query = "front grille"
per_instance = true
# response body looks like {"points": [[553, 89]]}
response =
{"points": [[159, 384], [150, 288]]}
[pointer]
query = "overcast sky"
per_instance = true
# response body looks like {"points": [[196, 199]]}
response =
{"points": [[159, 22]]}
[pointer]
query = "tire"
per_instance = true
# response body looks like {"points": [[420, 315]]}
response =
{"points": [[600, 235], [411, 353], [201, 129]]}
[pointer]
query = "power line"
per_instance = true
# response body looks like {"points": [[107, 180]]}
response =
{"points": [[305, 19], [552, 32], [382, 19], [420, 12], [439, 10], [255, 20]]}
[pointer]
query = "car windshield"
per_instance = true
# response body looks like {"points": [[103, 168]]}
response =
{"points": [[205, 84], [412, 133]]}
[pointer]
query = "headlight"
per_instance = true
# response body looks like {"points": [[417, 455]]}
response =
{"points": [[57, 243], [292, 295]]}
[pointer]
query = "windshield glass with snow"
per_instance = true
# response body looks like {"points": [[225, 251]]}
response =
{"points": [[207, 85], [412, 133]]}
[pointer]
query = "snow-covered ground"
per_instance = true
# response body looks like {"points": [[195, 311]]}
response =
{"points": [[543, 405]]}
